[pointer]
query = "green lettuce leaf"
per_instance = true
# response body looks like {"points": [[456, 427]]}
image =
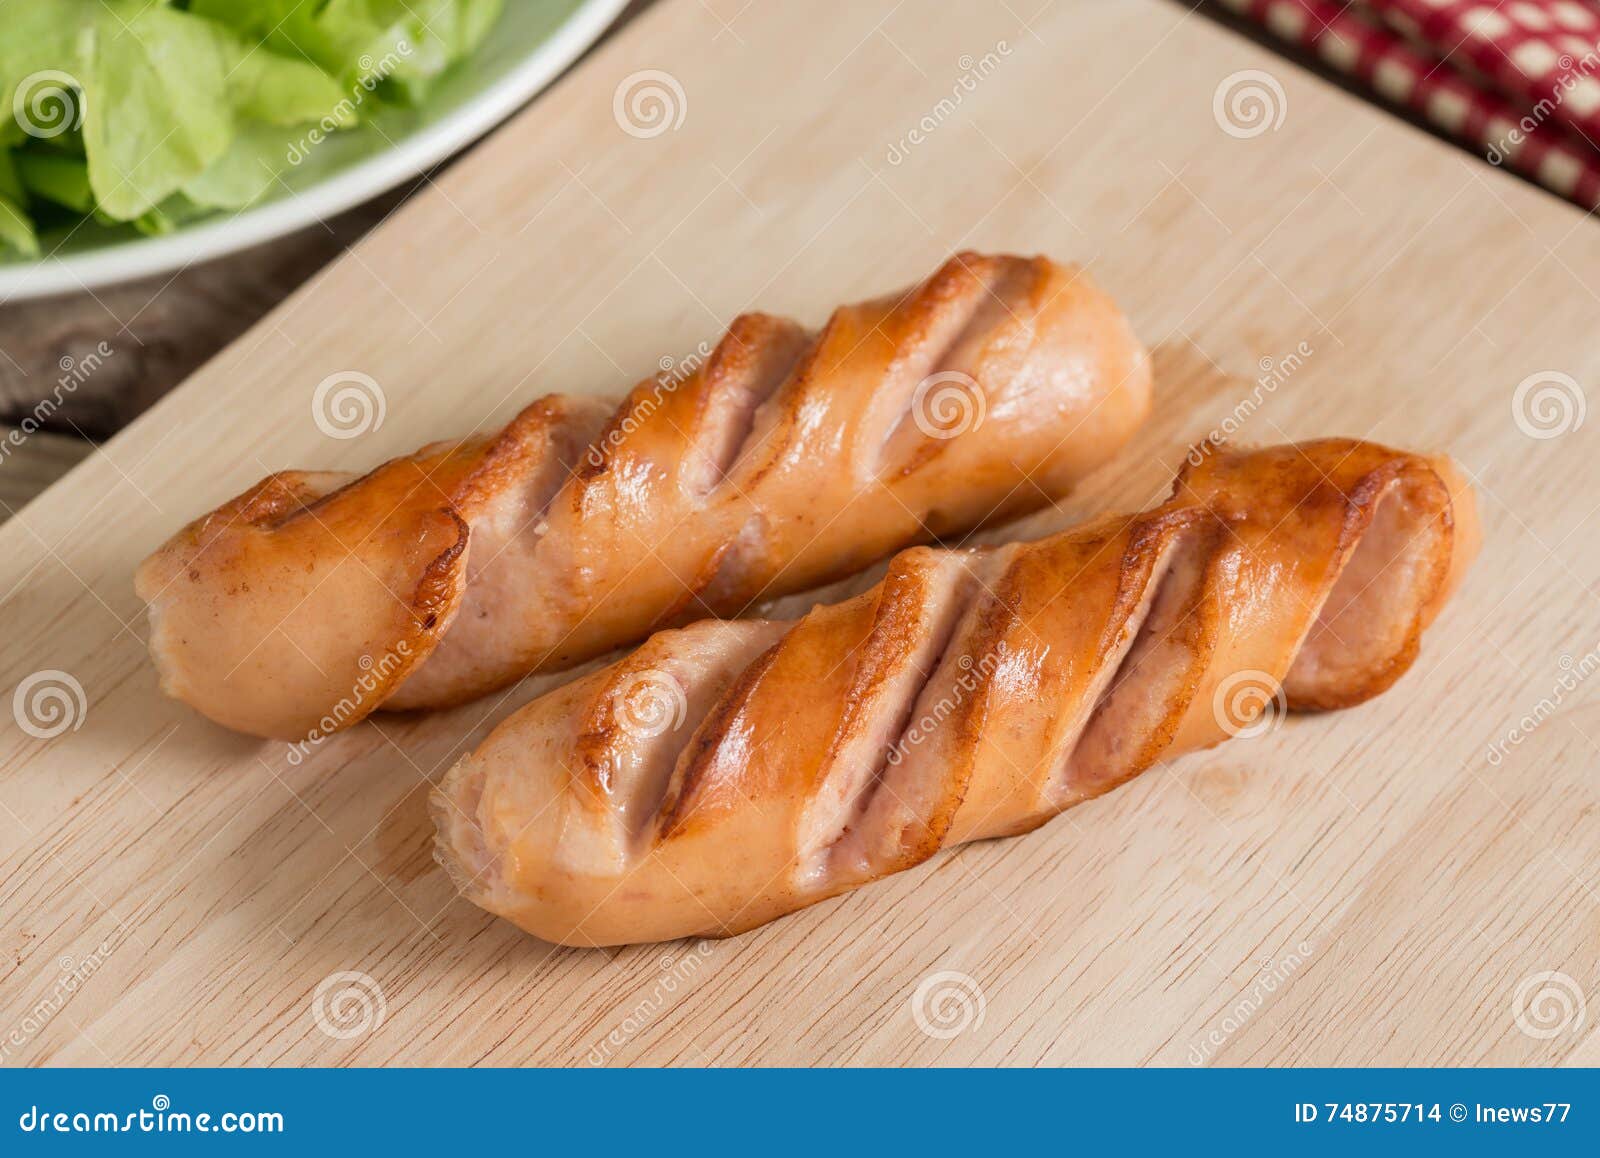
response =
{"points": [[40, 36], [16, 228], [56, 177], [243, 174], [164, 94], [152, 112], [403, 45]]}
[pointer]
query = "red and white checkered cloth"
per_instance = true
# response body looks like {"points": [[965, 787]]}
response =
{"points": [[1518, 80]]}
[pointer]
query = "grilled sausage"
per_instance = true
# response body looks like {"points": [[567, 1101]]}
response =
{"points": [[731, 772], [784, 460]]}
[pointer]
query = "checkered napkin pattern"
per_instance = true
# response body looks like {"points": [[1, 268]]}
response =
{"points": [[1517, 81]]}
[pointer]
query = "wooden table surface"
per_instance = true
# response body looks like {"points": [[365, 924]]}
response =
{"points": [[1406, 882]]}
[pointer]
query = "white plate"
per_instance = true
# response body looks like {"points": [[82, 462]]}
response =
{"points": [[529, 46]]}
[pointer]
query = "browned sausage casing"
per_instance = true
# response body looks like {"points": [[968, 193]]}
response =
{"points": [[728, 773], [782, 461]]}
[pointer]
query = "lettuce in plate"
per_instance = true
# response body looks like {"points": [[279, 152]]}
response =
{"points": [[151, 113]]}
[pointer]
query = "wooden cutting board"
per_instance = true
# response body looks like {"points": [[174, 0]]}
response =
{"points": [[1363, 887]]}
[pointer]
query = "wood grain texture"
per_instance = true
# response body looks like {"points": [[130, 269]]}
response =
{"points": [[32, 459], [159, 328], [1359, 887]]}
